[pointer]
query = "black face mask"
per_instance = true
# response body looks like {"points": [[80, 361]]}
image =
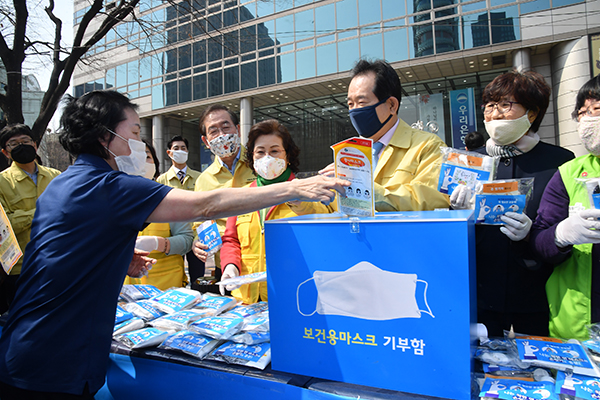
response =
{"points": [[23, 154]]}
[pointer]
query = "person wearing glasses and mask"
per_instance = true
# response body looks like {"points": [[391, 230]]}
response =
{"points": [[83, 245], [273, 156], [566, 231], [20, 186], [220, 132], [510, 279]]}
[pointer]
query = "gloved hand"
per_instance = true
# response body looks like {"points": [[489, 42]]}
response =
{"points": [[578, 229], [516, 226], [460, 199], [230, 271], [147, 243]]}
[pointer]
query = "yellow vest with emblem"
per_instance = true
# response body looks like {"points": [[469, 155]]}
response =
{"points": [[169, 270]]}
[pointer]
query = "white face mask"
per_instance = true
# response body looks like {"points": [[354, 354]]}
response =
{"points": [[135, 163], [150, 170], [507, 131], [270, 167], [366, 292], [224, 146], [179, 156], [589, 133]]}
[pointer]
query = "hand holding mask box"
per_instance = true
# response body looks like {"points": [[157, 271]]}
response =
{"points": [[460, 167], [494, 199]]}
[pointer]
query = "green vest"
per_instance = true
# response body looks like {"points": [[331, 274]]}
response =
{"points": [[569, 287]]}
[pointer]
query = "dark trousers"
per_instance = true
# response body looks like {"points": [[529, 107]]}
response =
{"points": [[527, 323], [8, 288], [195, 267], [8, 392]]}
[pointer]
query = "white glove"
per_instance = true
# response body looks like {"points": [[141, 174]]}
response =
{"points": [[460, 199], [230, 271], [516, 226], [579, 228], [147, 243]]}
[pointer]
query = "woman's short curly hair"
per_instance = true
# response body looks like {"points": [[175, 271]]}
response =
{"points": [[86, 120], [590, 90], [274, 127]]}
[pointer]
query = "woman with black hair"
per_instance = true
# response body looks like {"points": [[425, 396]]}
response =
{"points": [[566, 231]]}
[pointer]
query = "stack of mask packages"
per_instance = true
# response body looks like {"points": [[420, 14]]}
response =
{"points": [[204, 326], [521, 367]]}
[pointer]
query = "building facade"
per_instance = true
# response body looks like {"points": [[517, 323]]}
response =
{"points": [[291, 60]]}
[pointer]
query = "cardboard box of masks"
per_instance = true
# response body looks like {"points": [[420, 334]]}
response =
{"points": [[386, 301]]}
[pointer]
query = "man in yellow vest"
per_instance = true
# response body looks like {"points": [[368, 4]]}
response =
{"points": [[181, 176], [20, 186], [220, 132]]}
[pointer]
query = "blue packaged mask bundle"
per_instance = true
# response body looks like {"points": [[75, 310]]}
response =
{"points": [[570, 385], [221, 328], [145, 337], [251, 337], [139, 292], [144, 309], [461, 167], [208, 234], [215, 304], [256, 356], [122, 315], [496, 198], [190, 343], [132, 324], [257, 323], [244, 311], [178, 321], [510, 389], [176, 299]]}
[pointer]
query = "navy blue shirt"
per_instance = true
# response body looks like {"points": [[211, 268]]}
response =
{"points": [[58, 334]]}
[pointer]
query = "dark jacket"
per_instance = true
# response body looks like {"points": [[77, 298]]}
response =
{"points": [[509, 278]]}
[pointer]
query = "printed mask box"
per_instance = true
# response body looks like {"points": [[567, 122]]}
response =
{"points": [[385, 301]]}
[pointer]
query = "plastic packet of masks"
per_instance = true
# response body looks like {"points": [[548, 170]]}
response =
{"points": [[504, 358], [558, 354], [221, 328], [461, 167], [190, 343], [177, 321], [577, 387], [494, 199], [592, 186], [144, 309], [510, 389], [132, 324], [208, 234], [251, 337], [139, 292], [256, 356], [122, 315], [214, 304], [505, 372], [245, 311], [176, 299], [145, 337], [244, 279], [257, 323]]}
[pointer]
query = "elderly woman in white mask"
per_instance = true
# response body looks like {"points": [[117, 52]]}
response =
{"points": [[510, 281]]}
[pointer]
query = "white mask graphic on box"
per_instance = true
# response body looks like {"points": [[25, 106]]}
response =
{"points": [[367, 292]]}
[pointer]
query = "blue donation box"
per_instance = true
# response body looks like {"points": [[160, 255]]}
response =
{"points": [[385, 301]]}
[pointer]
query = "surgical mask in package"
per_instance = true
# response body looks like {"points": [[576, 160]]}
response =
{"points": [[244, 311], [244, 279], [132, 324], [177, 321], [145, 337], [510, 389], [208, 234], [214, 304], [122, 315], [574, 386], [190, 343], [144, 309], [176, 299], [251, 337], [256, 356], [461, 167], [257, 323], [221, 328], [496, 198], [139, 292]]}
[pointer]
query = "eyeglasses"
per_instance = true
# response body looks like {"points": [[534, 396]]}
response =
{"points": [[503, 107], [593, 110], [275, 153], [225, 128], [11, 145]]}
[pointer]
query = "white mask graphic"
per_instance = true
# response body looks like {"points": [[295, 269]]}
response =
{"points": [[366, 292], [589, 133], [270, 167], [150, 170], [179, 156], [135, 163], [225, 145], [507, 131]]}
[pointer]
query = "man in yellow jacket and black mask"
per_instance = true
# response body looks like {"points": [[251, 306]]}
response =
{"points": [[20, 186], [407, 161]]}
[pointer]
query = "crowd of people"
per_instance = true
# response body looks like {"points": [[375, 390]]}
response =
{"points": [[112, 217]]}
